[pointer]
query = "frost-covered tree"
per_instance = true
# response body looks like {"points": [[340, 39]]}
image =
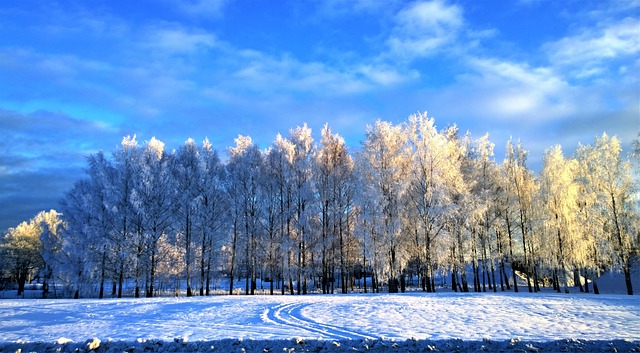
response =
{"points": [[155, 200], [273, 207], [522, 187], [84, 250], [212, 213], [368, 223], [386, 165], [434, 182], [608, 178], [559, 191], [51, 227], [279, 168], [28, 250], [481, 177], [187, 174], [117, 178], [302, 199], [245, 168], [334, 185], [89, 235]]}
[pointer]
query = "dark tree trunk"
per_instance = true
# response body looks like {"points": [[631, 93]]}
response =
{"points": [[120, 279], [586, 281], [152, 274], [233, 256], [102, 275], [577, 281], [595, 286]]}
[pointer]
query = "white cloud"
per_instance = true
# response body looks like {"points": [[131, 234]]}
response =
{"points": [[589, 53], [266, 74], [172, 39], [424, 27], [495, 94], [385, 75]]}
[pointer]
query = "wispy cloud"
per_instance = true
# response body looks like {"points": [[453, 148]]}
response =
{"points": [[423, 28], [172, 39], [593, 51]]}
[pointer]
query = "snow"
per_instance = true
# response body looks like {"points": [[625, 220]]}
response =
{"points": [[443, 321]]}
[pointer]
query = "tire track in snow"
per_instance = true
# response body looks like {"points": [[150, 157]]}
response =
{"points": [[290, 315]]}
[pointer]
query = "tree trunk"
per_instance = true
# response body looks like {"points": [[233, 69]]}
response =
{"points": [[102, 274], [595, 285], [513, 270], [203, 257], [626, 266], [586, 281], [576, 280], [121, 279], [233, 256], [152, 278], [22, 280], [188, 255]]}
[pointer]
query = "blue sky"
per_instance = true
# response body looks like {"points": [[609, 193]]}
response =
{"points": [[77, 76]]}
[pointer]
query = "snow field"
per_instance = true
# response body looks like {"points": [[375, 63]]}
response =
{"points": [[323, 323]]}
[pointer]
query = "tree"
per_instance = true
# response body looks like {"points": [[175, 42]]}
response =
{"points": [[212, 211], [119, 184], [605, 175], [302, 197], [245, 168], [481, 178], [187, 175], [522, 186], [280, 170], [334, 179], [155, 200], [23, 249], [89, 236], [387, 163], [560, 191], [435, 181]]}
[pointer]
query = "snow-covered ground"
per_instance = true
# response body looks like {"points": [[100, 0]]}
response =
{"points": [[329, 323]]}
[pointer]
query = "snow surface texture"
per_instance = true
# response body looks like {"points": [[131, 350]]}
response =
{"points": [[539, 322]]}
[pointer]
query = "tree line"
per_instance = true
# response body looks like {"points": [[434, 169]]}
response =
{"points": [[413, 203]]}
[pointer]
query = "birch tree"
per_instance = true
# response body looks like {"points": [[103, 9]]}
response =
{"points": [[23, 249], [522, 186], [245, 167], [387, 162], [435, 178], [156, 201], [608, 177], [212, 212], [122, 216], [187, 174], [334, 186], [559, 191], [302, 193], [280, 168]]}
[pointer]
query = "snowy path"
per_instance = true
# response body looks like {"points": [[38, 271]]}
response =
{"points": [[440, 316], [290, 315]]}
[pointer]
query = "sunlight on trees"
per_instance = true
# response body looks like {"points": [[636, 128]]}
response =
{"points": [[415, 203]]}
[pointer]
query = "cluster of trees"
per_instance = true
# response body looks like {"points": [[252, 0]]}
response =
{"points": [[413, 202]]}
